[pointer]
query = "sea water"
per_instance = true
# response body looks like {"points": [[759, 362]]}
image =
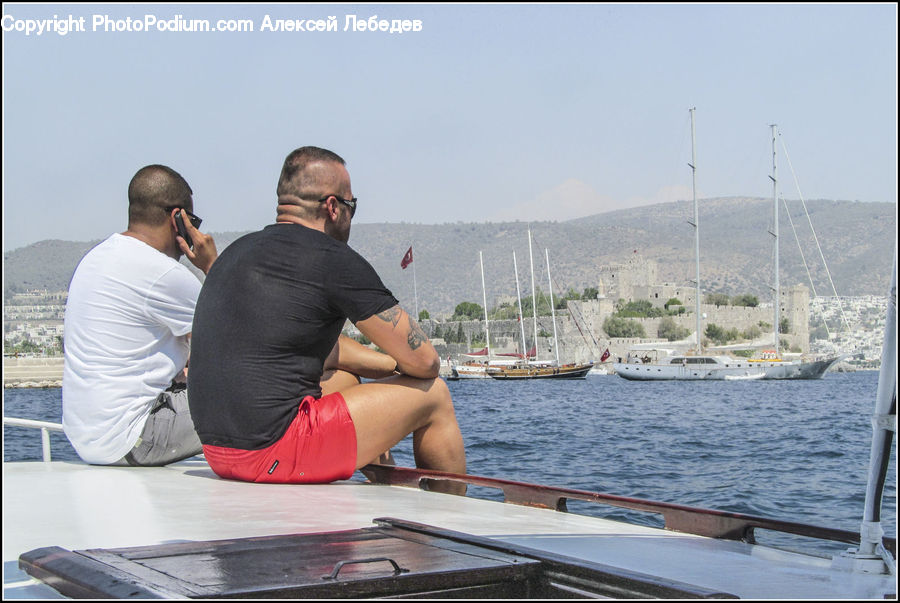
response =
{"points": [[790, 450]]}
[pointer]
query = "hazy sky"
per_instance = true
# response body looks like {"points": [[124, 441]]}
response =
{"points": [[488, 113]]}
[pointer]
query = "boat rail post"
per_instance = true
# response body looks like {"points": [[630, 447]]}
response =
{"points": [[44, 426], [871, 556]]}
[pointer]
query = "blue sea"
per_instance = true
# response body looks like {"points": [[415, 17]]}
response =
{"points": [[789, 450]]}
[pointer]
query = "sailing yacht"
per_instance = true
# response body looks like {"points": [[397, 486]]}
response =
{"points": [[698, 365], [778, 368], [476, 365], [537, 369], [701, 366]]}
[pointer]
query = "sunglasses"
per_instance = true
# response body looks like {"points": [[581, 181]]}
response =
{"points": [[196, 221], [351, 203]]}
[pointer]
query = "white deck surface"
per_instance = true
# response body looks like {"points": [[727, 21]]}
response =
{"points": [[76, 506]]}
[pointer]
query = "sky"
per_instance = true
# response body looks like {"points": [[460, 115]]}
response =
{"points": [[474, 113]]}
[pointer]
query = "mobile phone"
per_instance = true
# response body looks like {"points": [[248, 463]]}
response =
{"points": [[182, 231]]}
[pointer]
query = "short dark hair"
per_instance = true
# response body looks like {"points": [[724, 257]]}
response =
{"points": [[293, 181], [153, 188]]}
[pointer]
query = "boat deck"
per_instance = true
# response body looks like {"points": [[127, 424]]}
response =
{"points": [[78, 507]]}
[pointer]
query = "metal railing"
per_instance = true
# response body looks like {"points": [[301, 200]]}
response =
{"points": [[45, 427], [679, 518]]}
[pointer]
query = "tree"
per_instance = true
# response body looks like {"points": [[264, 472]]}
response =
{"points": [[673, 301], [638, 309], [468, 311], [505, 311], [747, 300], [714, 332], [623, 327], [424, 315], [784, 325], [590, 293], [752, 333], [635, 309], [720, 335], [670, 331], [717, 299]]}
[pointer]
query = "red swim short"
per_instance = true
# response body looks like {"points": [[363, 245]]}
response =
{"points": [[318, 447]]}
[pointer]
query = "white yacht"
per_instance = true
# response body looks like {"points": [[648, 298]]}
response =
{"points": [[699, 365], [687, 368]]}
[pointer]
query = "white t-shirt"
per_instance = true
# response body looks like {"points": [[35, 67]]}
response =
{"points": [[128, 315]]}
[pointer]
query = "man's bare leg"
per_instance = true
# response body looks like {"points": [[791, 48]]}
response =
{"points": [[338, 380], [386, 411]]}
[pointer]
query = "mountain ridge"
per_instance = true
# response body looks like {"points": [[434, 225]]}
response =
{"points": [[856, 239]]}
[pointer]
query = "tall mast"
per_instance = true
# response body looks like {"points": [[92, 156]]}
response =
{"points": [[883, 424], [521, 318], [487, 333], [696, 223], [533, 298], [774, 233], [552, 308]]}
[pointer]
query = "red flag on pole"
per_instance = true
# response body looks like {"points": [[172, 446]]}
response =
{"points": [[605, 355], [407, 259]]}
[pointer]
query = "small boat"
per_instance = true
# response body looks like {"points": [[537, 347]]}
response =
{"points": [[746, 377], [548, 371]]}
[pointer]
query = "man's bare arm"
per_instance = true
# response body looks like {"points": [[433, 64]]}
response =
{"points": [[351, 356], [400, 336]]}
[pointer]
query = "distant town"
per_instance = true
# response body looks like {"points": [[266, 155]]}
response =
{"points": [[850, 326], [855, 327]]}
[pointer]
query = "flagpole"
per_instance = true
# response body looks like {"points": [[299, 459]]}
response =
{"points": [[415, 291]]}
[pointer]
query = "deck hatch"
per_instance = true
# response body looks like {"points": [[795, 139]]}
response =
{"points": [[393, 559]]}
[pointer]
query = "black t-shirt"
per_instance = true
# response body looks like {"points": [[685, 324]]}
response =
{"points": [[270, 311]]}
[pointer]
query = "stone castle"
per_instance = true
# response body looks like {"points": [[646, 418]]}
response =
{"points": [[580, 329]]}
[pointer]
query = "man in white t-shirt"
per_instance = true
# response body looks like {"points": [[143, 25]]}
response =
{"points": [[127, 330]]}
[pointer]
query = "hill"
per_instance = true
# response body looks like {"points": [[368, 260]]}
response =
{"points": [[856, 239]]}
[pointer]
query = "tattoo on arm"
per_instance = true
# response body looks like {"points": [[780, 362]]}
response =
{"points": [[416, 335], [391, 315]]}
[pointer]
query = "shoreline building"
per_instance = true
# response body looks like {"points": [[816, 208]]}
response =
{"points": [[637, 280]]}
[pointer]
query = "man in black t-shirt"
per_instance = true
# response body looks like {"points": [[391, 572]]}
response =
{"points": [[274, 388]]}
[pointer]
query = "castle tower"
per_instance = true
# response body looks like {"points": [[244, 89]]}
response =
{"points": [[795, 307]]}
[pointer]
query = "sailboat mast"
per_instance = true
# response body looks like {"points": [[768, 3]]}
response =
{"points": [[533, 298], [774, 233], [883, 425], [696, 223], [487, 333], [552, 307], [521, 318]]}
